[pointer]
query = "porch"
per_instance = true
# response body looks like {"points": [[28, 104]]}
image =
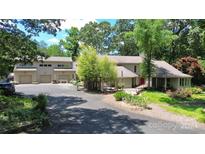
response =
{"points": [[170, 83]]}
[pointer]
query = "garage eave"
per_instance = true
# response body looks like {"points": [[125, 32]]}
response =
{"points": [[23, 70], [65, 70]]}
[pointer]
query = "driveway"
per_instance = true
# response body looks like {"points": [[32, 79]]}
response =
{"points": [[79, 112]]}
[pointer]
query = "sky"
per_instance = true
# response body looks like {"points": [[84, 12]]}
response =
{"points": [[50, 39]]}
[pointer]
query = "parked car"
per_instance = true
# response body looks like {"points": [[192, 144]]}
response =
{"points": [[7, 87]]}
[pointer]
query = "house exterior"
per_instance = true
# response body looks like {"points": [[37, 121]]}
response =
{"points": [[52, 69], [62, 69], [165, 76]]}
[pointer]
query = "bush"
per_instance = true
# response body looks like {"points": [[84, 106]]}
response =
{"points": [[119, 95], [196, 90], [180, 93], [134, 100], [42, 101], [120, 86]]}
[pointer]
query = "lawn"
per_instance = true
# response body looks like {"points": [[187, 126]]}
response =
{"points": [[192, 106], [16, 112]]}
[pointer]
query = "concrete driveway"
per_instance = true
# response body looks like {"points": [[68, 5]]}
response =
{"points": [[79, 112]]}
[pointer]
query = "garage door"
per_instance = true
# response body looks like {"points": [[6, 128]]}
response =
{"points": [[45, 79], [25, 79], [63, 77]]}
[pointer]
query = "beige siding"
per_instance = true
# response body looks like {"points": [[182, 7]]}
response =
{"points": [[131, 67], [127, 82]]}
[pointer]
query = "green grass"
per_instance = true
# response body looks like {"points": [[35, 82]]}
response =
{"points": [[17, 111], [192, 107]]}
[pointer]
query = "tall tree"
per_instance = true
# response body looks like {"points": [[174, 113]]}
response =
{"points": [[151, 36], [16, 44], [97, 35], [71, 42], [55, 50], [93, 70], [123, 39]]}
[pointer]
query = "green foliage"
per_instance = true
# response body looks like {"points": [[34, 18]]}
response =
{"points": [[123, 39], [71, 42], [42, 101], [92, 70], [97, 35], [16, 43], [55, 50], [120, 95], [180, 93], [191, 66], [134, 100], [108, 70], [19, 111], [195, 90], [150, 38], [192, 106]]}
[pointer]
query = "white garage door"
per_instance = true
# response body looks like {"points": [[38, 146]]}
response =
{"points": [[25, 79], [45, 79]]}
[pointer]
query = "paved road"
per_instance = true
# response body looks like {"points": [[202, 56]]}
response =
{"points": [[78, 112]]}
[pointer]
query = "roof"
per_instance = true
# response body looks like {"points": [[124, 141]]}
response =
{"points": [[166, 70], [126, 59], [58, 59], [123, 72]]}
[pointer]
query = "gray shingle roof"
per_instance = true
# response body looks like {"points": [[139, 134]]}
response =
{"points": [[163, 69], [123, 72], [58, 59], [126, 59]]}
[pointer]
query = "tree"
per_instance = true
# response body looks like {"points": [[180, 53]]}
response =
{"points": [[108, 71], [71, 42], [55, 50], [123, 39], [97, 35], [93, 70], [151, 37], [191, 66], [16, 44]]}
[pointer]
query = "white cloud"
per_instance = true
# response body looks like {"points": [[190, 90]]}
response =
{"points": [[53, 40], [68, 23]]}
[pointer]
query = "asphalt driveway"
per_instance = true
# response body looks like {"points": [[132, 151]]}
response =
{"points": [[78, 112]]}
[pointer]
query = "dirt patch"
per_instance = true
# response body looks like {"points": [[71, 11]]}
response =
{"points": [[155, 111]]}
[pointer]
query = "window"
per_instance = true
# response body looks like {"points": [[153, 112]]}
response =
{"points": [[60, 65], [45, 65], [135, 69], [41, 65], [49, 65]]}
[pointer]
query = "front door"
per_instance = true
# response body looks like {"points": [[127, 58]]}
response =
{"points": [[142, 81]]}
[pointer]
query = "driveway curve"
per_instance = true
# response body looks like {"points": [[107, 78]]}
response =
{"points": [[77, 112]]}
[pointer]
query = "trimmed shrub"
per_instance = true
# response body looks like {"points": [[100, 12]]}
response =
{"points": [[120, 95], [42, 101]]}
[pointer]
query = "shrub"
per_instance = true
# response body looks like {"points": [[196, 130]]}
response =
{"points": [[180, 93], [120, 95], [120, 86], [42, 101], [196, 90]]}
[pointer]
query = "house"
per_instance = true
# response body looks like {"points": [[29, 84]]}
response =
{"points": [[165, 76], [62, 69], [52, 69]]}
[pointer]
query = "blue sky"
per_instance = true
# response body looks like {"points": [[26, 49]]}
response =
{"points": [[50, 39]]}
